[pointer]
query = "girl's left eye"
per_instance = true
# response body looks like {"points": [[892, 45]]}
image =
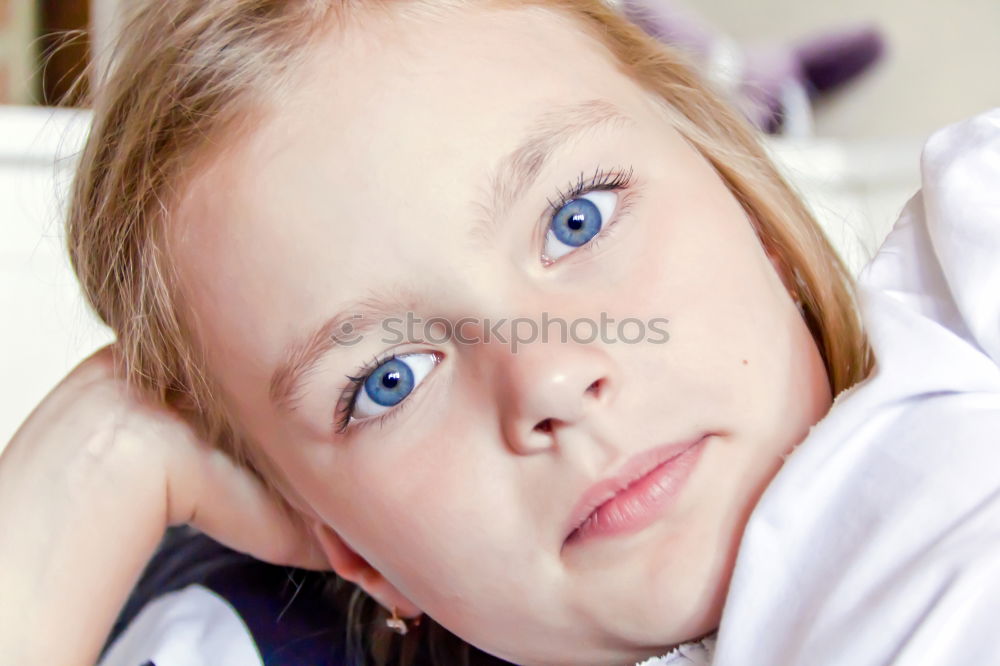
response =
{"points": [[588, 210], [578, 222]]}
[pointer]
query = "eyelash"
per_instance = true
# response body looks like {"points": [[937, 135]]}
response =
{"points": [[614, 180], [349, 396]]}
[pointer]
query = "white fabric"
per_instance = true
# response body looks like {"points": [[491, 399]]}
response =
{"points": [[879, 539], [190, 627], [696, 653]]}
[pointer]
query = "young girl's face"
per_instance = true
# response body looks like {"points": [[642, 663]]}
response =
{"points": [[392, 183]]}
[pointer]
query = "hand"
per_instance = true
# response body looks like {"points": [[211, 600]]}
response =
{"points": [[88, 485]]}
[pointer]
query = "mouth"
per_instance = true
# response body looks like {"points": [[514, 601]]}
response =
{"points": [[631, 498]]}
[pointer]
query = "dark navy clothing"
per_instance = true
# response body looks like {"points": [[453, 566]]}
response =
{"points": [[199, 602]]}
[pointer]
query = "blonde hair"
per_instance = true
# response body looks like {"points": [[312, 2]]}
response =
{"points": [[185, 73]]}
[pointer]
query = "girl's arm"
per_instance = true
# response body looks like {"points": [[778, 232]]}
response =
{"points": [[87, 486]]}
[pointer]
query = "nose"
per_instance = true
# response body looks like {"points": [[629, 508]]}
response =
{"points": [[552, 388]]}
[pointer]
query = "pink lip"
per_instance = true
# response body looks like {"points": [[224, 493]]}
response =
{"points": [[631, 499]]}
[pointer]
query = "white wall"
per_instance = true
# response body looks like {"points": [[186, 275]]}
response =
{"points": [[44, 327]]}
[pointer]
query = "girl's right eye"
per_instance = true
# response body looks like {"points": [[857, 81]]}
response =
{"points": [[578, 222], [390, 383]]}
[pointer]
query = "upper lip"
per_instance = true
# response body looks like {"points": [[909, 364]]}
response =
{"points": [[632, 470]]}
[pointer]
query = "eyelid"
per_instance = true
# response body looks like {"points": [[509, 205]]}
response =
{"points": [[619, 180], [343, 420]]}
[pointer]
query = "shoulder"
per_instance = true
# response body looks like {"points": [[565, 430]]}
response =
{"points": [[878, 541], [936, 277], [960, 171], [956, 158], [199, 602], [189, 626]]}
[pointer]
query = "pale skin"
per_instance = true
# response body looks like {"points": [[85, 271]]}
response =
{"points": [[87, 486], [363, 179]]}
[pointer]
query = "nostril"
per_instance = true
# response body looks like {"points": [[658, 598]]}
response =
{"points": [[595, 388], [544, 425]]}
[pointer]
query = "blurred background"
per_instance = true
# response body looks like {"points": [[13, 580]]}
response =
{"points": [[852, 149], [940, 63]]}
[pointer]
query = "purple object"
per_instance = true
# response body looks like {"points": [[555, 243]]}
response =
{"points": [[817, 65]]}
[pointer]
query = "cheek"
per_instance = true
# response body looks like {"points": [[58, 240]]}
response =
{"points": [[456, 519], [699, 260], [421, 497], [734, 333]]}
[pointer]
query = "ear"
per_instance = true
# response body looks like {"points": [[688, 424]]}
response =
{"points": [[346, 562]]}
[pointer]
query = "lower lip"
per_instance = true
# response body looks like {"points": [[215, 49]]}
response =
{"points": [[640, 504]]}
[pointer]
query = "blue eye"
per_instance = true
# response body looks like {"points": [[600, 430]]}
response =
{"points": [[390, 383], [578, 222]]}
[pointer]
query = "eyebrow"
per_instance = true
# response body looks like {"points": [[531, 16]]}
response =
{"points": [[519, 169], [506, 184]]}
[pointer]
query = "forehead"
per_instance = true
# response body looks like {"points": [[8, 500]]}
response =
{"points": [[388, 131]]}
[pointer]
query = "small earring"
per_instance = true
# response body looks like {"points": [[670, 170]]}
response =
{"points": [[398, 624]]}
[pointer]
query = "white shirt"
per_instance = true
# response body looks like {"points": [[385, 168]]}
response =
{"points": [[878, 541], [189, 627]]}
